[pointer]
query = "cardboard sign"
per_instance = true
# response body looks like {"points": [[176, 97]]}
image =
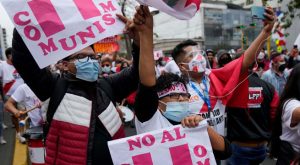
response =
{"points": [[170, 146], [54, 29]]}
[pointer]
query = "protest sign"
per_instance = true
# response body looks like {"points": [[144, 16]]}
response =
{"points": [[181, 9], [54, 29], [171, 146]]}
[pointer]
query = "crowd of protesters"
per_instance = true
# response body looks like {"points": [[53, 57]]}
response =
{"points": [[250, 99]]}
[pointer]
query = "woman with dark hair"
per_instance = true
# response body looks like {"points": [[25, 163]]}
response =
{"points": [[286, 132]]}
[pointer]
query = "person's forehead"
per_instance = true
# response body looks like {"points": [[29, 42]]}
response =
{"points": [[85, 51], [188, 48], [210, 53], [279, 58]]}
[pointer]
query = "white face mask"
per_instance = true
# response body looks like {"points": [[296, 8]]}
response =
{"points": [[197, 64]]}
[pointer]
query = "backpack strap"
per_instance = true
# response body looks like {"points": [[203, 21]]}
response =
{"points": [[58, 94]]}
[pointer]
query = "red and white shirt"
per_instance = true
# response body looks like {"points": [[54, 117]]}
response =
{"points": [[220, 83], [10, 77]]}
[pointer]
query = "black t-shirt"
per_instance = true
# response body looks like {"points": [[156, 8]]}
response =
{"points": [[253, 123]]}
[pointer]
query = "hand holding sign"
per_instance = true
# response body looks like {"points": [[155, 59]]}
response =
{"points": [[52, 29], [173, 145], [191, 121]]}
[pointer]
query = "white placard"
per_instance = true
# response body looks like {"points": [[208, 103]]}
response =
{"points": [[170, 146], [54, 29]]}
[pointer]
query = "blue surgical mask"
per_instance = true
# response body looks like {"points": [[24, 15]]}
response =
{"points": [[106, 69], [176, 111], [88, 70]]}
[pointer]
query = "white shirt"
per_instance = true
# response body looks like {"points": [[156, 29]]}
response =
{"points": [[25, 96], [198, 106], [158, 121], [10, 78], [290, 134]]}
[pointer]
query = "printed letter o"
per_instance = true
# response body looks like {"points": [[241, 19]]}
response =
{"points": [[36, 33], [147, 142]]}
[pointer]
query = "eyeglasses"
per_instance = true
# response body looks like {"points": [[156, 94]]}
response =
{"points": [[176, 96], [84, 57], [106, 65]]}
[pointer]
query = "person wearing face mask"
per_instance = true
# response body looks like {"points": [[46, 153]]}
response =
{"points": [[212, 89], [164, 102], [81, 115], [106, 65], [277, 74], [285, 144]]}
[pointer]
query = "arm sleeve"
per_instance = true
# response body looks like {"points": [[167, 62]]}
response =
{"points": [[41, 81], [223, 155], [146, 103], [126, 82], [289, 108], [19, 95]]}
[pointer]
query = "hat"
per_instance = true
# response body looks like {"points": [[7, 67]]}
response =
{"points": [[209, 51], [221, 52]]}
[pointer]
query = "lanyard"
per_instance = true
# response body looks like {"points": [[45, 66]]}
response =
{"points": [[205, 97]]}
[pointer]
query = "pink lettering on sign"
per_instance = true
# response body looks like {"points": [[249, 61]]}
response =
{"points": [[19, 21], [46, 16], [108, 7], [84, 35], [132, 143], [181, 155], [200, 151], [178, 135], [47, 48], [108, 19], [167, 137], [206, 162], [148, 140], [32, 33], [87, 9], [64, 43], [99, 27], [142, 159]]}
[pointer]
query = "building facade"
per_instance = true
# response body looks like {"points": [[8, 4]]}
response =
{"points": [[3, 43], [216, 26]]}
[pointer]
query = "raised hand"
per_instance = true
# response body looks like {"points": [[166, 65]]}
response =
{"points": [[130, 29], [143, 19], [270, 20]]}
